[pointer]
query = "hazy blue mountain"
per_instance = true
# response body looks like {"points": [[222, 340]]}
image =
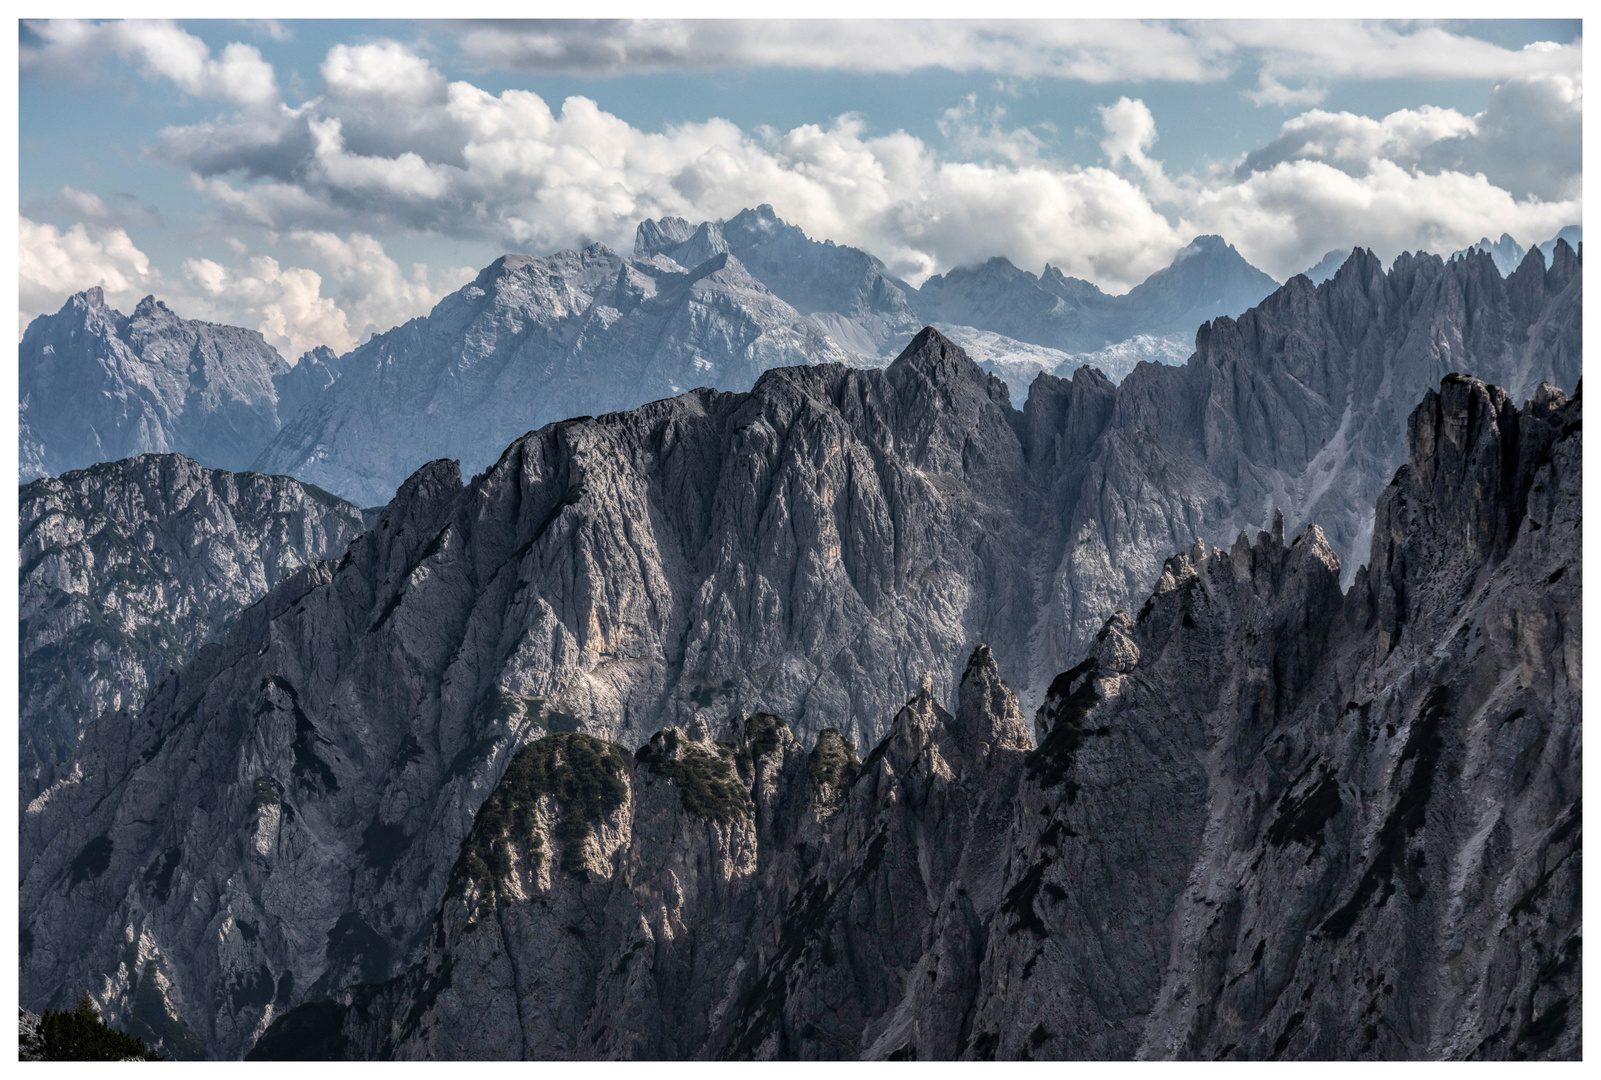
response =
{"points": [[1509, 254], [97, 385], [851, 294], [1206, 279], [534, 340]]}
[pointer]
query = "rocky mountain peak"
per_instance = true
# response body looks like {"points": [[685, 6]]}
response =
{"points": [[987, 714], [96, 386], [150, 307], [660, 236], [1468, 454], [1564, 261]]}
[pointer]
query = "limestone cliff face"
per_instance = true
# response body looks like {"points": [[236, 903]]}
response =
{"points": [[127, 568], [743, 897], [96, 385], [1265, 819]]}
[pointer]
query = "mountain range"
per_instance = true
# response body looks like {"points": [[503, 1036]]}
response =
{"points": [[701, 728], [1299, 802], [532, 340], [1262, 820], [1507, 253], [96, 385]]}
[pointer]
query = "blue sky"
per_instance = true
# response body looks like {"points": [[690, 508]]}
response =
{"points": [[321, 180]]}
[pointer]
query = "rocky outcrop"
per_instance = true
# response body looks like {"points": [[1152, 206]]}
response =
{"points": [[96, 385], [129, 567], [531, 341], [746, 896], [1265, 819]]}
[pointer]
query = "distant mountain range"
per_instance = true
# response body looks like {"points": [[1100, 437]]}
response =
{"points": [[533, 340], [1507, 253]]}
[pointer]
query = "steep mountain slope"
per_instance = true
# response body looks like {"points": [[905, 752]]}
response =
{"points": [[1263, 820], [1206, 279], [1330, 826], [129, 567], [97, 385], [807, 549], [530, 341], [317, 771]]}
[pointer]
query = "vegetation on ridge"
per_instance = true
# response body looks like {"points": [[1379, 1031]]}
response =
{"points": [[587, 778], [81, 1035]]}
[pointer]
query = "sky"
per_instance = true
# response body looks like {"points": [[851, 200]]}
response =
{"points": [[324, 180]]}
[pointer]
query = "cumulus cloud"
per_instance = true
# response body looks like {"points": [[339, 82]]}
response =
{"points": [[370, 287], [53, 264], [285, 303], [507, 168], [1284, 219], [1526, 141], [350, 289], [159, 48]]}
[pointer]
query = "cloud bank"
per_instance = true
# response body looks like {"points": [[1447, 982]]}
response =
{"points": [[391, 145]]}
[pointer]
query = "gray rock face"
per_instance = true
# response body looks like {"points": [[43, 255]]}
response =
{"points": [[808, 549], [531, 341], [1208, 278], [129, 567], [312, 777], [1265, 820], [96, 385], [313, 373], [1328, 826]]}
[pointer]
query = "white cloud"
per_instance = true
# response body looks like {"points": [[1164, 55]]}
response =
{"points": [[1350, 141], [1527, 140], [350, 289], [1284, 219], [371, 288], [52, 265], [284, 303], [158, 48], [1286, 53], [530, 178]]}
